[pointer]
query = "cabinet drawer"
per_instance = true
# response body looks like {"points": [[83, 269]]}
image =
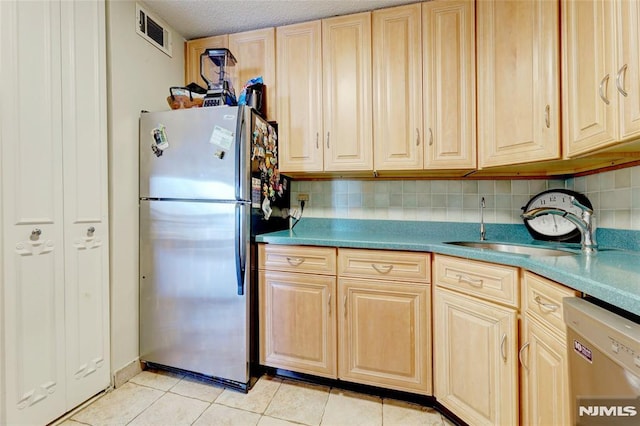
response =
{"points": [[489, 281], [542, 299], [316, 260], [389, 265]]}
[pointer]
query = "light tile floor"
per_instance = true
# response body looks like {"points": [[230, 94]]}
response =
{"points": [[158, 398]]}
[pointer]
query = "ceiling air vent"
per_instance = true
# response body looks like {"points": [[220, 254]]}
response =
{"points": [[153, 29]]}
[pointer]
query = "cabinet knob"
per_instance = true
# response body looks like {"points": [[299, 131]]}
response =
{"points": [[90, 230], [35, 234]]}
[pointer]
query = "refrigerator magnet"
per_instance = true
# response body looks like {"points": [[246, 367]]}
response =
{"points": [[160, 138], [266, 208], [221, 137]]}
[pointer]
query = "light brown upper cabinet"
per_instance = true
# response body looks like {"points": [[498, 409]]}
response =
{"points": [[255, 53], [601, 96], [299, 102], [193, 50], [518, 81], [397, 88], [347, 109], [448, 41]]}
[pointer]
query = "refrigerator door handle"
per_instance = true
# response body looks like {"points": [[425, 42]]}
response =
{"points": [[241, 247], [242, 154]]}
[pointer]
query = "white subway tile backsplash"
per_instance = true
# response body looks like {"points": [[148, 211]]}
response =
{"points": [[622, 178], [615, 196], [607, 181], [439, 187], [470, 187], [409, 186], [519, 187], [635, 176], [409, 200], [490, 187], [454, 201]]}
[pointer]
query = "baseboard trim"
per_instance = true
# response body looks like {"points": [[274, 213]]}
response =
{"points": [[123, 375]]}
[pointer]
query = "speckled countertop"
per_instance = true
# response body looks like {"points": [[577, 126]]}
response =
{"points": [[611, 275]]}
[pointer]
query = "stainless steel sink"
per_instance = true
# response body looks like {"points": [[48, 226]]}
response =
{"points": [[513, 248]]}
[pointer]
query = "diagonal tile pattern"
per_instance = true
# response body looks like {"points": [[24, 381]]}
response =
{"points": [[158, 398]]}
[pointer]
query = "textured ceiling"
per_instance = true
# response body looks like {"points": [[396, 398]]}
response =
{"points": [[202, 18]]}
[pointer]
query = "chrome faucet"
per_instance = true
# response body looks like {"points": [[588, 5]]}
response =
{"points": [[585, 222], [483, 231]]}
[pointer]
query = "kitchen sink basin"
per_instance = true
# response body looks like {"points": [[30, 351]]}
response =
{"points": [[513, 248]]}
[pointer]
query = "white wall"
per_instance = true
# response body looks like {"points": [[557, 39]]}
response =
{"points": [[139, 77]]}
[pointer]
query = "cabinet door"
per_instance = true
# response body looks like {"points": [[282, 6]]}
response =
{"points": [[475, 367], [385, 334], [33, 334], [628, 68], [85, 199], [448, 44], [255, 52], [298, 322], [346, 54], [397, 88], [588, 81], [299, 81], [518, 82], [545, 383], [193, 50]]}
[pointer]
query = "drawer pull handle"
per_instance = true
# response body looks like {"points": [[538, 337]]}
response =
{"points": [[601, 89], [383, 269], [550, 307], [525, 346], [469, 280], [344, 305], [620, 84], [295, 261], [329, 303], [503, 349], [547, 116]]}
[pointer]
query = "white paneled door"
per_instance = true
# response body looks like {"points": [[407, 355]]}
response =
{"points": [[54, 293]]}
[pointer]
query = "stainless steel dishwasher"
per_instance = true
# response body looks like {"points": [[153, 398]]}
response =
{"points": [[604, 364]]}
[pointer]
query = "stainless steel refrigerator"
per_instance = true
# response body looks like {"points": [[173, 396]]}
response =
{"points": [[208, 183]]}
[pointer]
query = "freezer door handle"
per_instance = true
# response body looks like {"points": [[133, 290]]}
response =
{"points": [[241, 246]]}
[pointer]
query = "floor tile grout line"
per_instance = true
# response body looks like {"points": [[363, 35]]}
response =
{"points": [[149, 406], [280, 382]]}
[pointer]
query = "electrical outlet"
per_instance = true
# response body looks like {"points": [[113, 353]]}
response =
{"points": [[303, 196]]}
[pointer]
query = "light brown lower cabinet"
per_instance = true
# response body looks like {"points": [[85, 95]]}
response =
{"points": [[298, 322], [377, 331], [545, 387], [297, 308], [475, 358], [364, 316], [543, 353], [475, 340], [384, 332]]}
